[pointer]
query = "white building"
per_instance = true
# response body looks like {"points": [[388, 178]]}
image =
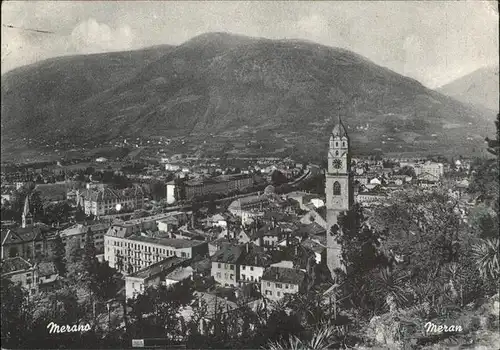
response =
{"points": [[153, 275], [179, 274], [137, 252], [278, 281]]}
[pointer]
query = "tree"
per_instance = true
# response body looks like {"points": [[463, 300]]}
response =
{"points": [[486, 256], [36, 205], [179, 191], [14, 314], [494, 144], [278, 178], [155, 312], [59, 256], [107, 286], [408, 171], [90, 263], [79, 214], [56, 212]]}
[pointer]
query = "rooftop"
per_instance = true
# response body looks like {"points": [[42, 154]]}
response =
{"points": [[180, 273], [284, 275], [164, 266], [229, 254], [82, 229], [168, 242], [15, 264]]}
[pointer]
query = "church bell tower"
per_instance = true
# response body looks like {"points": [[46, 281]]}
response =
{"points": [[339, 191]]}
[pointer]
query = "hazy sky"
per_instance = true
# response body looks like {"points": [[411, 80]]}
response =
{"points": [[433, 42]]}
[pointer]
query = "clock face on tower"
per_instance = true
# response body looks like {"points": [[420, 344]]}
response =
{"points": [[337, 163]]}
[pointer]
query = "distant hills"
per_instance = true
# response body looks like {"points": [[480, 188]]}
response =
{"points": [[230, 94], [480, 88]]}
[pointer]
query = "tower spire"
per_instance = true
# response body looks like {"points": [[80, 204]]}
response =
{"points": [[27, 218], [339, 128]]}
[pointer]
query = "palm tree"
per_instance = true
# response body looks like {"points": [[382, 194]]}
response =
{"points": [[324, 337], [486, 255]]}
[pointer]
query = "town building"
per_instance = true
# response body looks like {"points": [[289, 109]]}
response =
{"points": [[225, 264], [279, 281], [161, 222], [30, 240], [18, 270], [233, 265], [76, 235], [223, 184], [104, 200], [33, 277], [138, 251], [153, 275]]}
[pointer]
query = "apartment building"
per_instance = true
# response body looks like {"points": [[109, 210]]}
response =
{"points": [[138, 251]]}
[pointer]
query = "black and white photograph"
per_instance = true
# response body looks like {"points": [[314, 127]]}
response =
{"points": [[272, 175]]}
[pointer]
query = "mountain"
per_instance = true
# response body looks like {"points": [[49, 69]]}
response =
{"points": [[234, 94], [480, 88]]}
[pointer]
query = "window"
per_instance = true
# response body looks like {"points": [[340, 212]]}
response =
{"points": [[336, 144], [231, 277], [336, 189], [251, 268], [278, 285], [218, 275], [268, 292], [268, 284], [183, 254], [251, 278], [278, 293], [242, 267], [286, 286], [219, 265], [231, 267], [243, 277]]}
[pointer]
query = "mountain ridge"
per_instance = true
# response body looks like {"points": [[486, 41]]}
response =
{"points": [[480, 88], [239, 89]]}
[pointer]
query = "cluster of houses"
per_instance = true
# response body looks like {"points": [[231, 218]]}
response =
{"points": [[264, 245]]}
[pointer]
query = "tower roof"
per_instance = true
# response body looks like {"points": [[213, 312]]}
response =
{"points": [[26, 210], [339, 130]]}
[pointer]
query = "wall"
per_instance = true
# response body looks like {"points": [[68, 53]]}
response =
{"points": [[251, 273], [225, 274]]}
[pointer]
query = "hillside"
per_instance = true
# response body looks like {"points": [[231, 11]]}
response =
{"points": [[224, 92], [480, 87]]}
